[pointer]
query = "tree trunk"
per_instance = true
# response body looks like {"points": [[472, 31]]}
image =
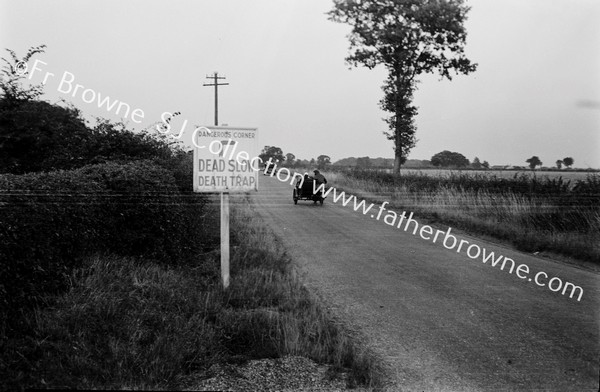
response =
{"points": [[398, 131], [397, 162]]}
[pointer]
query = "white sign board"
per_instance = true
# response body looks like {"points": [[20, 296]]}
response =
{"points": [[225, 159]]}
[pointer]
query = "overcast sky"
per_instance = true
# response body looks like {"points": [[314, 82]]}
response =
{"points": [[536, 90]]}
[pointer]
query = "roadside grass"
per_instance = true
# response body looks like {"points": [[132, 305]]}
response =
{"points": [[123, 324], [550, 215], [133, 323], [567, 174], [270, 289]]}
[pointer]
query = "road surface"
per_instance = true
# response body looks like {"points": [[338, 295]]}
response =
{"points": [[441, 320]]}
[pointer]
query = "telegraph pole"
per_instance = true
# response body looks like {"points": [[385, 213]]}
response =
{"points": [[216, 83], [224, 195]]}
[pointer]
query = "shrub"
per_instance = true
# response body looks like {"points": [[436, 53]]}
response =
{"points": [[39, 136], [51, 220], [36, 135]]}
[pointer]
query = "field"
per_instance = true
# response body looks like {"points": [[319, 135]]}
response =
{"points": [[569, 175]]}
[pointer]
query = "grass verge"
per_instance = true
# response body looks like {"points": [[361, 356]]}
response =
{"points": [[135, 324]]}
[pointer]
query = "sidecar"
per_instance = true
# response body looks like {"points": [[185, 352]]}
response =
{"points": [[304, 190]]}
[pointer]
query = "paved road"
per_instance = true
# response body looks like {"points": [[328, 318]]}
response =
{"points": [[441, 320]]}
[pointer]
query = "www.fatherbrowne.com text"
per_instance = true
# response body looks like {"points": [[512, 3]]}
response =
{"points": [[428, 233], [449, 241]]}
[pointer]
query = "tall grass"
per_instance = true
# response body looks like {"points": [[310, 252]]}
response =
{"points": [[123, 324], [269, 288], [536, 215]]}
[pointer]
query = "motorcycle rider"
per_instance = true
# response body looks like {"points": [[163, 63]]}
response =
{"points": [[319, 178]]}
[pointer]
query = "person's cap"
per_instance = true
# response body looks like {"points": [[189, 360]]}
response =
{"points": [[316, 171]]}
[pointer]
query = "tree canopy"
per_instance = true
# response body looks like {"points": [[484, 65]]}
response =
{"points": [[275, 153], [363, 162], [533, 162], [449, 159], [323, 161], [408, 37], [290, 158], [568, 161]]}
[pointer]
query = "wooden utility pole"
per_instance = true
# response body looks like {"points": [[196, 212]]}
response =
{"points": [[216, 83], [224, 195]]}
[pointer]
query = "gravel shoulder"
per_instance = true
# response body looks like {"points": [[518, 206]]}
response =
{"points": [[290, 373]]}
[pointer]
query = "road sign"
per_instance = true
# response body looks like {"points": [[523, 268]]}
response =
{"points": [[225, 159]]}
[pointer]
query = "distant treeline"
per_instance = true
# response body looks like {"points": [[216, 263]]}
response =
{"points": [[381, 163], [388, 163]]}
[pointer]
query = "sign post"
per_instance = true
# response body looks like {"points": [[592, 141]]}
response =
{"points": [[225, 160], [225, 239]]}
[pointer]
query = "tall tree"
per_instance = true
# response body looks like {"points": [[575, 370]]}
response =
{"points": [[449, 159], [289, 159], [559, 164], [323, 161], [568, 161], [409, 37], [534, 161], [275, 153]]}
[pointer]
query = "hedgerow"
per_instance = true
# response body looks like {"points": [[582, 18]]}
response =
{"points": [[50, 221]]}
